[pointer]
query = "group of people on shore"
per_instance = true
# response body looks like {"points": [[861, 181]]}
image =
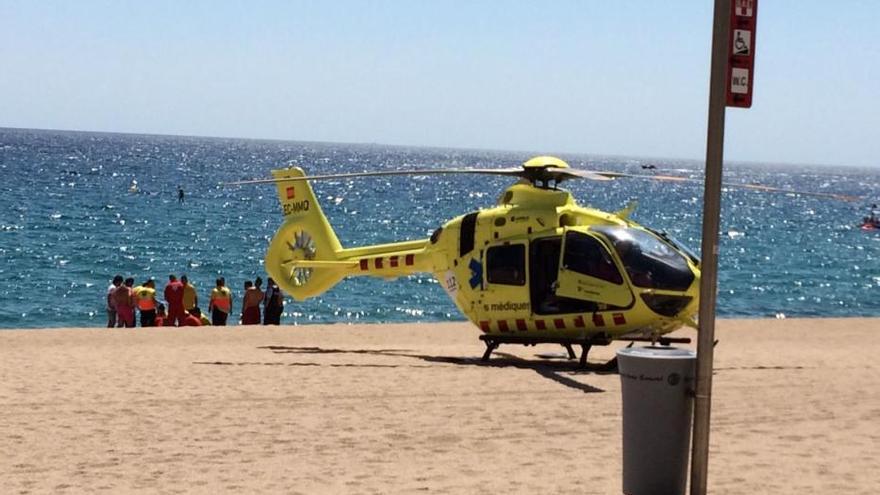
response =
{"points": [[181, 303]]}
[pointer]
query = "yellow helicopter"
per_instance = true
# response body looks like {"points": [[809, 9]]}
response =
{"points": [[535, 268]]}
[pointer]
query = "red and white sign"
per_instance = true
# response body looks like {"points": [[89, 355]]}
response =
{"points": [[744, 8], [741, 65]]}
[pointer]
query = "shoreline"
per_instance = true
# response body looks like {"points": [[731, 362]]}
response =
{"points": [[417, 323], [410, 407]]}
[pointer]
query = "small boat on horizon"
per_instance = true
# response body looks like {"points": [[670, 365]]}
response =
{"points": [[869, 223], [872, 221]]}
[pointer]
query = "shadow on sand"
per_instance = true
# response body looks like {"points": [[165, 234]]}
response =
{"points": [[556, 370]]}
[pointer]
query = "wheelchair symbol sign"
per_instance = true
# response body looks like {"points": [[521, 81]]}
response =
{"points": [[742, 42]]}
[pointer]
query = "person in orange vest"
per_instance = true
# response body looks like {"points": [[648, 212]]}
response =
{"points": [[220, 304], [145, 296]]}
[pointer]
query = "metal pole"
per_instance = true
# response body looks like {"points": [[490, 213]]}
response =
{"points": [[709, 246]]}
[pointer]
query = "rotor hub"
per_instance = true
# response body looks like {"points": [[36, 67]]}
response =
{"points": [[302, 248]]}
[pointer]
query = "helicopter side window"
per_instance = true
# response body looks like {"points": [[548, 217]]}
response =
{"points": [[506, 264], [585, 255]]}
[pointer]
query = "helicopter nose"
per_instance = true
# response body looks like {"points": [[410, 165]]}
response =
{"points": [[667, 304], [683, 304]]}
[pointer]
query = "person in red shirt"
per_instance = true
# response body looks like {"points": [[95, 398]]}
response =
{"points": [[174, 297], [161, 317], [193, 318]]}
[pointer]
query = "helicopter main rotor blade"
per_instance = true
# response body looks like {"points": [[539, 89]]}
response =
{"points": [[557, 174], [754, 187], [576, 173], [516, 172]]}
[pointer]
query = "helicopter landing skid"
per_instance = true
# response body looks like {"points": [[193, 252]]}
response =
{"points": [[493, 341]]}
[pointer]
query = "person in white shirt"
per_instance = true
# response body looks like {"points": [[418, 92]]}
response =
{"points": [[111, 301]]}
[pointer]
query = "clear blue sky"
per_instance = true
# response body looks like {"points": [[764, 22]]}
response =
{"points": [[602, 77]]}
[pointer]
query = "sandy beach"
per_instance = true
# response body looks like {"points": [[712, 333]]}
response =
{"points": [[411, 409]]}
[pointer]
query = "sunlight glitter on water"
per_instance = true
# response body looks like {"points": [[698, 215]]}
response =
{"points": [[781, 254]]}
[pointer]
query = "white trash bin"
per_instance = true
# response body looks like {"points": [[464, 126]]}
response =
{"points": [[656, 384]]}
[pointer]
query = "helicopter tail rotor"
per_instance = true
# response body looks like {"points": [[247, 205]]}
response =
{"points": [[306, 258], [303, 256]]}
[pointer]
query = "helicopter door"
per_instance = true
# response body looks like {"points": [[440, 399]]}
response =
{"points": [[505, 298], [588, 272]]}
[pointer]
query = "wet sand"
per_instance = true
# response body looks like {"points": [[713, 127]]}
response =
{"points": [[412, 409]]}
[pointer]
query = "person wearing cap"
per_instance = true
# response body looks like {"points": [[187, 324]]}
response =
{"points": [[111, 301]]}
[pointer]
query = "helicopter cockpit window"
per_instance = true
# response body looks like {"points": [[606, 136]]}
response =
{"points": [[650, 262], [690, 253], [585, 255], [506, 264]]}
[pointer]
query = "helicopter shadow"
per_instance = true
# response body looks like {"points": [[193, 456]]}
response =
{"points": [[552, 370]]}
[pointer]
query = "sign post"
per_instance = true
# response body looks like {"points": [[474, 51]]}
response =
{"points": [[731, 75], [740, 77]]}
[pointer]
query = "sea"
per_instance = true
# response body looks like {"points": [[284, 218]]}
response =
{"points": [[70, 220]]}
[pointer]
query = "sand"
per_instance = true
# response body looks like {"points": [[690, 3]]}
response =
{"points": [[411, 409]]}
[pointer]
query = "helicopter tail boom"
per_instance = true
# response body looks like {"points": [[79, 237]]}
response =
{"points": [[306, 258]]}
